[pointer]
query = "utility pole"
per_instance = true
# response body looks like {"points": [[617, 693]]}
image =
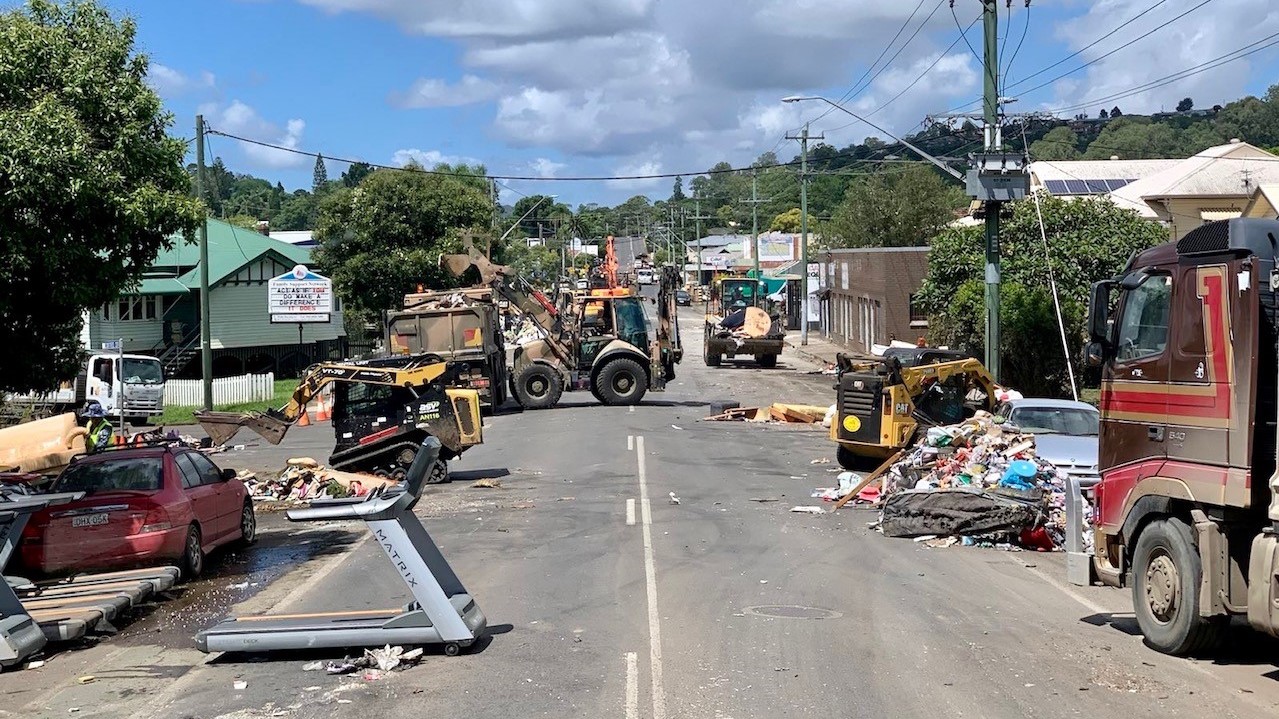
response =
{"points": [[755, 221], [803, 138], [206, 340], [698, 217], [993, 144]]}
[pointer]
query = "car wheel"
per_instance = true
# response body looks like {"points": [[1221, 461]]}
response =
{"points": [[192, 554], [622, 381], [248, 525], [1166, 573]]}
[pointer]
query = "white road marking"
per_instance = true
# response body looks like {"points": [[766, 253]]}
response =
{"points": [[630, 443], [632, 409], [630, 512], [1085, 601], [632, 686], [650, 580]]}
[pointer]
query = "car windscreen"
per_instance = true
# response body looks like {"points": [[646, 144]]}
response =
{"points": [[139, 474], [1056, 420], [138, 371]]}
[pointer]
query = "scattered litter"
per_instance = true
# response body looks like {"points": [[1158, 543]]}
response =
{"points": [[34, 664], [312, 666], [674, 499], [304, 479], [676, 426], [820, 460], [240, 685], [763, 581], [764, 499], [778, 413], [344, 701], [487, 484], [86, 679], [241, 585], [796, 476], [386, 658], [346, 666], [411, 656], [523, 505], [808, 510]]}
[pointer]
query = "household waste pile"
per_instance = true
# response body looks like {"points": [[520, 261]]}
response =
{"points": [[741, 325], [305, 479], [523, 332], [977, 483]]}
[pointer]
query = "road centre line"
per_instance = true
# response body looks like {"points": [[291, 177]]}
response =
{"points": [[630, 512], [630, 443], [650, 581], [632, 686]]}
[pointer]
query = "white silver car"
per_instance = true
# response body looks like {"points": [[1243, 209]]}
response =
{"points": [[1065, 433]]}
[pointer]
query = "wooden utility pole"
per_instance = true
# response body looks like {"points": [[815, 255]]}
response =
{"points": [[206, 339], [803, 138]]}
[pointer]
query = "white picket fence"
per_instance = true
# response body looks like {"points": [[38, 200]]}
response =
{"points": [[227, 390]]}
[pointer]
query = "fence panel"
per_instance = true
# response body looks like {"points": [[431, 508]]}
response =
{"points": [[226, 390]]}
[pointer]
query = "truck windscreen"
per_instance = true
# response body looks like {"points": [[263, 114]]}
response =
{"points": [[141, 371]]}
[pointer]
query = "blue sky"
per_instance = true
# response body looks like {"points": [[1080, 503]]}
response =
{"points": [[618, 87]]}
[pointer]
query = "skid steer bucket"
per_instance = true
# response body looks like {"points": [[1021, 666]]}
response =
{"points": [[222, 426]]}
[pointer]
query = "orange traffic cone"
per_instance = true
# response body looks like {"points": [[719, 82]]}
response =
{"points": [[322, 411], [305, 419]]}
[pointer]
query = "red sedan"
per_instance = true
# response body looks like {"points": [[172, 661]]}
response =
{"points": [[141, 506]]}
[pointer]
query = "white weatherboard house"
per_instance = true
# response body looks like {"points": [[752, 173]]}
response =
{"points": [[162, 317]]}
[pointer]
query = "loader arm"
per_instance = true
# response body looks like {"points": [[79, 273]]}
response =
{"points": [[274, 423]]}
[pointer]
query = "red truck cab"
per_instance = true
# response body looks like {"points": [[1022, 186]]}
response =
{"points": [[1186, 339]]}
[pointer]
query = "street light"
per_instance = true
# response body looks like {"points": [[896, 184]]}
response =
{"points": [[949, 170]]}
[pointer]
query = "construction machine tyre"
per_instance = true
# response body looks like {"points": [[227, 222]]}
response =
{"points": [[621, 382], [767, 361], [712, 358], [538, 386], [853, 462], [1166, 576], [439, 473]]}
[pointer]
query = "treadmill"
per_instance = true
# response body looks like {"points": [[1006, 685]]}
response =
{"points": [[442, 611], [20, 633]]}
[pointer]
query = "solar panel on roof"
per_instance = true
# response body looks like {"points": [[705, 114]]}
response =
{"points": [[1116, 183], [1096, 186], [1076, 187], [1056, 187]]}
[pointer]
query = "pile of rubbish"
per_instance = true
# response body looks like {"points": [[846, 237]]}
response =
{"points": [[523, 333], [305, 479], [777, 412], [741, 325], [976, 483], [374, 664]]}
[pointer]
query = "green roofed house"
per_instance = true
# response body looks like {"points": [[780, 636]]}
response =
{"points": [[163, 319]]}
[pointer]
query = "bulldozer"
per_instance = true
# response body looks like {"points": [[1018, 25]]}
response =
{"points": [[382, 410], [884, 403], [598, 341]]}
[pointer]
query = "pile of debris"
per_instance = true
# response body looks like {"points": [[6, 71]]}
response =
{"points": [[523, 333], [305, 479], [777, 412], [741, 325], [976, 483]]}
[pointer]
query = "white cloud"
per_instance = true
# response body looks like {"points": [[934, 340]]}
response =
{"points": [[1204, 34], [170, 82], [502, 18], [545, 167], [646, 167], [434, 92], [240, 119], [429, 158]]}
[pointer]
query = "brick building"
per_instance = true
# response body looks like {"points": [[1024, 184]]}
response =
{"points": [[867, 295]]}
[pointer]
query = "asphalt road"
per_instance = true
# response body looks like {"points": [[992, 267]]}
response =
{"points": [[723, 605]]}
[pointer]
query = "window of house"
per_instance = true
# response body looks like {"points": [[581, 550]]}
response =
{"points": [[917, 311], [133, 308]]}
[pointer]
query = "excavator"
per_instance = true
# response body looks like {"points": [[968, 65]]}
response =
{"points": [[598, 342], [883, 402], [382, 410]]}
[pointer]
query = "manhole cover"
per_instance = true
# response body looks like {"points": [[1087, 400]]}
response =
{"points": [[788, 611]]}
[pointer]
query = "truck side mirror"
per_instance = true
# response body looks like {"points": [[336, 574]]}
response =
{"points": [[1094, 354], [1099, 312]]}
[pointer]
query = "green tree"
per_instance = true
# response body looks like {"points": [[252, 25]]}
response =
{"points": [[319, 176], [677, 194], [248, 222], [1059, 143], [355, 172], [1089, 239], [297, 212], [894, 208], [379, 240], [788, 221], [539, 264], [1135, 138], [91, 185], [1185, 105], [537, 223]]}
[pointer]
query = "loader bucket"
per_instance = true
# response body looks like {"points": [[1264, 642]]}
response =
{"points": [[455, 264], [222, 426]]}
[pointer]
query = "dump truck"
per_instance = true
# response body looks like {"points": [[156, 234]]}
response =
{"points": [[1187, 510], [760, 334], [461, 326], [382, 410], [882, 403], [599, 342]]}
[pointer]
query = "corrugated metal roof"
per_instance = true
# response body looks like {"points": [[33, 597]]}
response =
{"points": [[230, 248], [1231, 170]]}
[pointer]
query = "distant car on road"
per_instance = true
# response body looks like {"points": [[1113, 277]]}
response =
{"points": [[143, 505], [1065, 432], [683, 298]]}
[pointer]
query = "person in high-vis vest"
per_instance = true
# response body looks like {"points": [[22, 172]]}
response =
{"points": [[100, 430]]}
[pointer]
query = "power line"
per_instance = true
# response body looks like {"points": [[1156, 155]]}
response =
{"points": [[1025, 26], [964, 32], [1076, 53]]}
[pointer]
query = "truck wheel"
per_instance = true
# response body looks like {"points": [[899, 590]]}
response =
{"points": [[767, 361], [1166, 573], [848, 459], [712, 358], [538, 386], [622, 381]]}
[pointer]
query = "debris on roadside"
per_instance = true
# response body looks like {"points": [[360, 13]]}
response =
{"points": [[777, 412], [674, 499], [487, 483], [808, 510], [978, 484], [304, 479]]}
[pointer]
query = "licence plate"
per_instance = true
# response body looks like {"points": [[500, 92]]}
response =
{"points": [[89, 520]]}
